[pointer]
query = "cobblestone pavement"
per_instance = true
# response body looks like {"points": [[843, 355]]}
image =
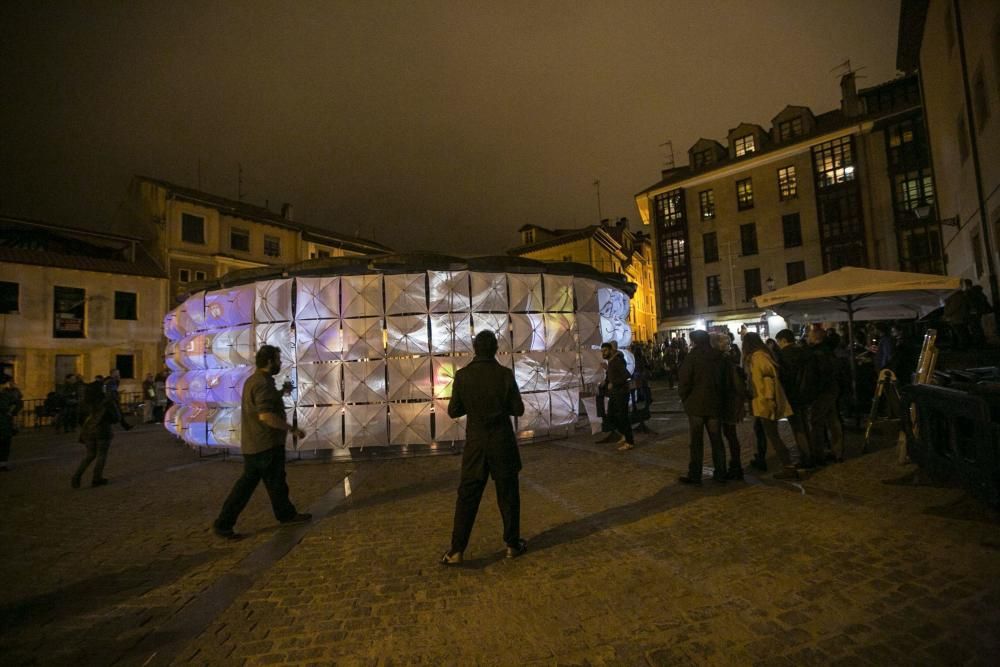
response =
{"points": [[861, 563]]}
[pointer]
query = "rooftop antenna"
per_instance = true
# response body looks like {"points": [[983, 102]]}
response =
{"points": [[597, 184], [668, 147], [846, 67]]}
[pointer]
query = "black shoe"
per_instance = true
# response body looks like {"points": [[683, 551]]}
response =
{"points": [[227, 534], [99, 482], [302, 517], [451, 558], [684, 479], [735, 474], [75, 482], [759, 464], [518, 549]]}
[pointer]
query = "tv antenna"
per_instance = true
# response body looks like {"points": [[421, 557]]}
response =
{"points": [[668, 149], [845, 68], [597, 185]]}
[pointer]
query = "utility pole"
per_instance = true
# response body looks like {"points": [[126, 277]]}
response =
{"points": [[597, 184]]}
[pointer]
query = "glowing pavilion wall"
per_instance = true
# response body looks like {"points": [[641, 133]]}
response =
{"points": [[372, 356]]}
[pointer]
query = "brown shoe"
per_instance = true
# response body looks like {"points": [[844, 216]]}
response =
{"points": [[451, 558]]}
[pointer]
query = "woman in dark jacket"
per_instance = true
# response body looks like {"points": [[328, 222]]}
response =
{"points": [[99, 412]]}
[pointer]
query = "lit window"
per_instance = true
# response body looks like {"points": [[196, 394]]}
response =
{"points": [[787, 183], [714, 287], [706, 199], [833, 162], [744, 145], [744, 194]]}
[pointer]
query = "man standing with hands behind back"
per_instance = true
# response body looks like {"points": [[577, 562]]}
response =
{"points": [[486, 393], [263, 430]]}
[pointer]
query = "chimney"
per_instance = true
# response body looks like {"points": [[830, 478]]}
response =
{"points": [[850, 103], [287, 212]]}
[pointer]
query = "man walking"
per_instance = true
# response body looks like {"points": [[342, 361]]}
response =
{"points": [[616, 388], [263, 430], [486, 394], [702, 387]]}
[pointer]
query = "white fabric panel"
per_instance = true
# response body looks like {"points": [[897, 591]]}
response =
{"points": [[560, 332], [444, 369], [365, 425], [536, 413], [629, 360], [558, 293], [525, 292], [172, 356], [192, 350], [591, 366], [489, 292], [448, 291], [446, 428], [197, 389], [176, 387], [565, 407], [170, 326], [586, 295], [588, 330], [280, 336], [409, 378], [274, 301], [564, 369], [170, 418], [530, 371], [364, 382], [622, 333], [193, 423], [612, 303], [229, 307], [361, 296], [498, 323], [450, 332], [288, 374], [317, 298], [318, 341], [320, 384], [192, 313], [405, 294], [528, 332], [406, 335], [224, 427], [607, 329], [323, 426], [363, 338], [410, 423], [232, 347], [225, 386]]}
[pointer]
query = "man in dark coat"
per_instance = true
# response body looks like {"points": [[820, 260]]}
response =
{"points": [[798, 374], [486, 394], [702, 388], [617, 388]]}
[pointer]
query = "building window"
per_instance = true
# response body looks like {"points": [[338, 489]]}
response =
{"points": [[702, 158], [200, 275], [913, 189], [714, 288], [906, 144], [744, 145], [834, 162], [980, 98], [711, 241], [789, 129], [69, 312], [751, 283], [239, 239], [272, 246], [125, 363], [795, 272], [788, 185], [126, 306], [748, 239], [192, 229], [963, 137], [528, 236], [674, 253], [706, 200], [744, 194], [791, 227], [676, 294], [668, 209], [184, 276], [9, 297], [920, 247]]}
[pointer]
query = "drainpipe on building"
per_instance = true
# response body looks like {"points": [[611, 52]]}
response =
{"points": [[974, 144]]}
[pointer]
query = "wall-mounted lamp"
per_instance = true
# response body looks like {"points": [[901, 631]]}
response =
{"points": [[924, 210], [770, 284]]}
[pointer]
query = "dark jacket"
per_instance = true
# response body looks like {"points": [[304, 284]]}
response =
{"points": [[798, 373], [618, 377], [735, 399], [702, 382], [10, 404], [98, 412], [486, 394]]}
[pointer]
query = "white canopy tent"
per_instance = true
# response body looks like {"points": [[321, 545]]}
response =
{"points": [[853, 293]]}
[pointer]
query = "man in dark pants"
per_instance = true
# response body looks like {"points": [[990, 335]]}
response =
{"points": [[262, 442], [616, 388], [486, 394], [702, 387], [799, 378]]}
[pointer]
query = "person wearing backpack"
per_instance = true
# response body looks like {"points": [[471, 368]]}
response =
{"points": [[797, 371]]}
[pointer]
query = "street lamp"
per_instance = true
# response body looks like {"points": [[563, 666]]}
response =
{"points": [[769, 283], [922, 211]]}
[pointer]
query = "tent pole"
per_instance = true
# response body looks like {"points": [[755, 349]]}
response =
{"points": [[850, 349]]}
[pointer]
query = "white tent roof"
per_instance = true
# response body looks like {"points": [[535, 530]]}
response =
{"points": [[871, 294]]}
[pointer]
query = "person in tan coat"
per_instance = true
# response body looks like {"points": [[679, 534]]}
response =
{"points": [[768, 400]]}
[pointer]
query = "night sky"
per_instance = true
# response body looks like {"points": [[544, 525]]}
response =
{"points": [[428, 125]]}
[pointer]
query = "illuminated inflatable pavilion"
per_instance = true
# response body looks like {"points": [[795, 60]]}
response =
{"points": [[371, 346]]}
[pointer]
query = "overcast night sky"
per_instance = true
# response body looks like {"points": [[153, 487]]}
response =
{"points": [[432, 125]]}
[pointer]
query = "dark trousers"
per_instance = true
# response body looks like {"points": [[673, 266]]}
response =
{"points": [[697, 425], [96, 449], [733, 440], [800, 429], [268, 467], [4, 449], [823, 417], [770, 428], [618, 415], [470, 493], [760, 440]]}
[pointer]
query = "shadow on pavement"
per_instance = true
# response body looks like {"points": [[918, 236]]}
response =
{"points": [[966, 508]]}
